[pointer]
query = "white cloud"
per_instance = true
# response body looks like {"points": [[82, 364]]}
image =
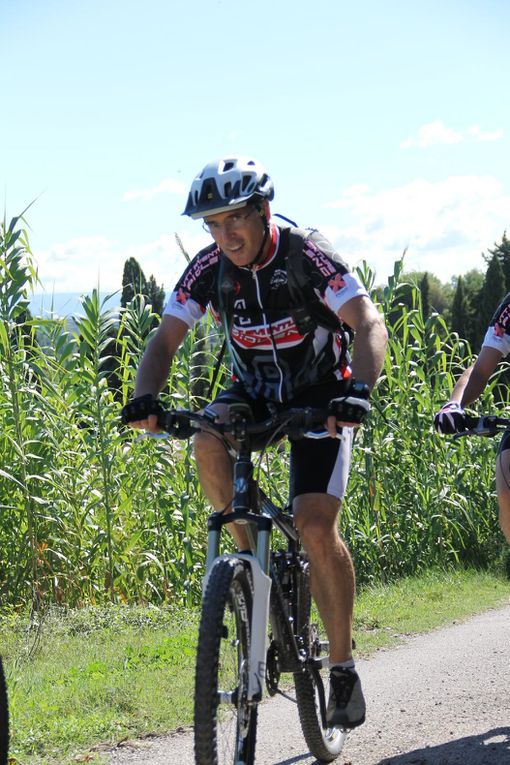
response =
{"points": [[166, 186], [478, 134], [436, 132], [444, 225], [80, 265]]}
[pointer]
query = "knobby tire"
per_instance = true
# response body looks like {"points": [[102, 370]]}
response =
{"points": [[225, 734], [325, 743]]}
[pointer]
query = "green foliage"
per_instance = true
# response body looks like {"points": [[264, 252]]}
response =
{"points": [[417, 499], [435, 295], [501, 251], [89, 513], [460, 311], [493, 291], [135, 284], [96, 676]]}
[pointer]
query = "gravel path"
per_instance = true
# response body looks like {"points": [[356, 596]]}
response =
{"points": [[440, 699]]}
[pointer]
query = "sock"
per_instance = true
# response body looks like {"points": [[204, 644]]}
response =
{"points": [[348, 664]]}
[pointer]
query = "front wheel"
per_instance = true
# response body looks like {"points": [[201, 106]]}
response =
{"points": [[312, 685], [225, 722]]}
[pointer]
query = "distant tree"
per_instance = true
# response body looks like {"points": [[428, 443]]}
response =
{"points": [[460, 321], [502, 252], [133, 281], [473, 282], [491, 294], [155, 295], [439, 295], [425, 295]]}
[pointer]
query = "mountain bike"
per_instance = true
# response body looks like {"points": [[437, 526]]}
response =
{"points": [[4, 718], [256, 609]]}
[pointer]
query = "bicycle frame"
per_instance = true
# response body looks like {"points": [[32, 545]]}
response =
{"points": [[251, 507], [243, 504]]}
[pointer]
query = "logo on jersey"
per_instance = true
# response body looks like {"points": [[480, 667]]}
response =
{"points": [[182, 296], [502, 322], [278, 279], [337, 283], [282, 334]]}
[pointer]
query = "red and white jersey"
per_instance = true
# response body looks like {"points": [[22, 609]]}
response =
{"points": [[270, 356]]}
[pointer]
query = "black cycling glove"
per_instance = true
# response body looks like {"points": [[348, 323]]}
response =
{"points": [[353, 405], [140, 408]]}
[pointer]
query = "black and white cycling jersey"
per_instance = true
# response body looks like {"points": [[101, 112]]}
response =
{"points": [[270, 356]]}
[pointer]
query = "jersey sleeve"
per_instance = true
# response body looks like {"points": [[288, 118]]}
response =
{"points": [[195, 290], [330, 274], [498, 332]]}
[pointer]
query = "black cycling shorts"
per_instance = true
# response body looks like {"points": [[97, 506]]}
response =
{"points": [[316, 465]]}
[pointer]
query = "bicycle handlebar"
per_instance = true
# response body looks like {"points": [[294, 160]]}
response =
{"points": [[183, 423], [483, 425]]}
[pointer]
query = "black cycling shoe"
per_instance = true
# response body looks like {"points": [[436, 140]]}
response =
{"points": [[346, 705]]}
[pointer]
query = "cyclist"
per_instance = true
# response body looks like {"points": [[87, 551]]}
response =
{"points": [[469, 386], [243, 276]]}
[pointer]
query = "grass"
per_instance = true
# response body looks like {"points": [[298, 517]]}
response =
{"points": [[87, 678], [384, 615], [96, 675]]}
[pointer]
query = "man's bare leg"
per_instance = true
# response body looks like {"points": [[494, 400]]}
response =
{"points": [[215, 473], [332, 572]]}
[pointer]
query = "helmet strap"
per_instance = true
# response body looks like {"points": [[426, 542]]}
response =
{"points": [[265, 221]]}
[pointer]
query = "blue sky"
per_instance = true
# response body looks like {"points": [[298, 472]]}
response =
{"points": [[383, 124]]}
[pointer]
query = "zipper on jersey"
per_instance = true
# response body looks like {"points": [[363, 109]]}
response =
{"points": [[270, 334]]}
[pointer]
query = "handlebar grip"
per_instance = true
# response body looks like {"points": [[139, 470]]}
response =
{"points": [[176, 423], [470, 421]]}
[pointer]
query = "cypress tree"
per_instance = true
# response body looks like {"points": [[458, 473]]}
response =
{"points": [[491, 295], [425, 295], [155, 295], [133, 281], [460, 311], [502, 252]]}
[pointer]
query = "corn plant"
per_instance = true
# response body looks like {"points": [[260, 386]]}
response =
{"points": [[90, 513], [19, 470]]}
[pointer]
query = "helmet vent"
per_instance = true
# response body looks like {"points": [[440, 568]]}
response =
{"points": [[228, 166]]}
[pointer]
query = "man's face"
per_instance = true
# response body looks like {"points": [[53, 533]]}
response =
{"points": [[239, 233]]}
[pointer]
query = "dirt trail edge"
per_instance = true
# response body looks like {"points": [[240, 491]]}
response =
{"points": [[442, 698]]}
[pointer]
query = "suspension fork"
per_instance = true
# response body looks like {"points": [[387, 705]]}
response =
{"points": [[259, 567]]}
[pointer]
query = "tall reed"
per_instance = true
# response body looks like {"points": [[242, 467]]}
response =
{"points": [[89, 513]]}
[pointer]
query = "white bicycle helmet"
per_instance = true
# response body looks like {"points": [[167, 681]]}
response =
{"points": [[228, 184]]}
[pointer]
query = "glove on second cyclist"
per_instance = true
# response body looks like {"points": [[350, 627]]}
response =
{"points": [[353, 405], [450, 419]]}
